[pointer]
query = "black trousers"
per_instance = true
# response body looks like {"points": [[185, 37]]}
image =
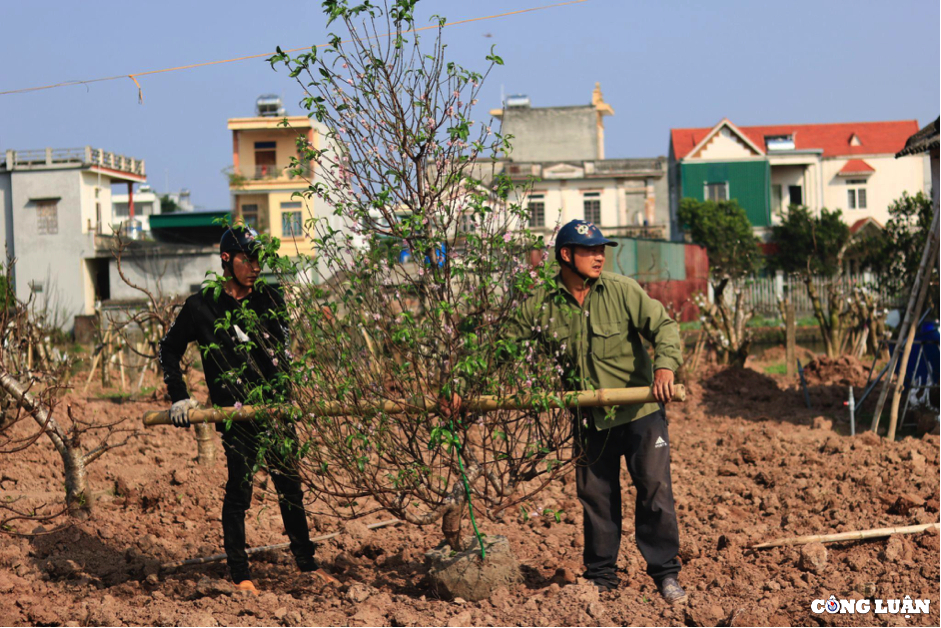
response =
{"points": [[241, 444], [645, 444]]}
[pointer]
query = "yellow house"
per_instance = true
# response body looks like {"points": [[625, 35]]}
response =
{"points": [[261, 181]]}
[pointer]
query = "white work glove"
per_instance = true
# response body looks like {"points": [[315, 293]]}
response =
{"points": [[179, 412]]}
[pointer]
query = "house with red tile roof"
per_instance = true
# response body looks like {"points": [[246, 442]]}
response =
{"points": [[847, 166]]}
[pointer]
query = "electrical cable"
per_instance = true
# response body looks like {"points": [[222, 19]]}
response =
{"points": [[140, 94]]}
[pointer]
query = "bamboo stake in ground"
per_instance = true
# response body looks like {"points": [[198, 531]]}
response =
{"points": [[264, 548], [94, 363], [848, 536], [582, 399], [121, 366], [907, 351], [923, 270]]}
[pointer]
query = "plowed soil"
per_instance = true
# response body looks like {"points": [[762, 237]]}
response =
{"points": [[750, 463]]}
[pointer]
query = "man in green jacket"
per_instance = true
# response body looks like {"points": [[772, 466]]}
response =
{"points": [[595, 321]]}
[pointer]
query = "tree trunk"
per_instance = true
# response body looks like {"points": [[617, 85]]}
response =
{"points": [[820, 316], [205, 447], [451, 527], [77, 496], [738, 356]]}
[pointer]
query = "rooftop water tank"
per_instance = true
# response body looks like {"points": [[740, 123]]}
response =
{"points": [[517, 100], [269, 106]]}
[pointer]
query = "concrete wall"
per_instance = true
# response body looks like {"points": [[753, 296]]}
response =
{"points": [[285, 148], [552, 133], [166, 271], [90, 181], [6, 215], [891, 178], [935, 184], [53, 260], [726, 145], [620, 199]]}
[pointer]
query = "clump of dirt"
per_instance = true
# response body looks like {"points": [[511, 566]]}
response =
{"points": [[843, 371], [743, 383], [467, 574]]}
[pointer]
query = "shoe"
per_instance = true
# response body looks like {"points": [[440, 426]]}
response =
{"points": [[322, 576], [671, 590], [248, 586], [604, 585]]}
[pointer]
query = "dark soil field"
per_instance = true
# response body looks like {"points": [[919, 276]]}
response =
{"points": [[750, 463]]}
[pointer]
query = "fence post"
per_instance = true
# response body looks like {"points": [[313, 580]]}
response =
{"points": [[791, 338]]}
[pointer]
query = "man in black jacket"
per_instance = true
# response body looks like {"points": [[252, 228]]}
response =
{"points": [[237, 360]]}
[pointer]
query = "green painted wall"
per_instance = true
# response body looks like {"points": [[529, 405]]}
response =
{"points": [[647, 260], [749, 183]]}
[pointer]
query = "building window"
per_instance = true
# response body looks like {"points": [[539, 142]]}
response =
{"points": [[292, 223], [47, 217], [795, 194], [468, 224], [592, 201], [856, 195], [537, 211], [779, 142], [250, 215], [717, 191], [265, 160]]}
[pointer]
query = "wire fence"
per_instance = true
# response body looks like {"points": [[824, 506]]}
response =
{"points": [[763, 293]]}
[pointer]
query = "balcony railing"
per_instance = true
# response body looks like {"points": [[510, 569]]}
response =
{"points": [[640, 232], [86, 156], [267, 173]]}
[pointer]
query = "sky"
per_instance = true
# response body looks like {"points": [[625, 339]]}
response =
{"points": [[662, 64]]}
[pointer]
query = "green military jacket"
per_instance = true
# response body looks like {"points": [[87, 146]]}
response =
{"points": [[599, 342]]}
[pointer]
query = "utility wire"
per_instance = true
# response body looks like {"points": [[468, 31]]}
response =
{"points": [[133, 76]]}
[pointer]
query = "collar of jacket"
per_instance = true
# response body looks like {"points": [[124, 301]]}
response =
{"points": [[594, 283]]}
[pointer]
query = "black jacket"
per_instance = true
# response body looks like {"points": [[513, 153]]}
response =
{"points": [[222, 350]]}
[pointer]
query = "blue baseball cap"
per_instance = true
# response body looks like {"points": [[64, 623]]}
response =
{"points": [[581, 233]]}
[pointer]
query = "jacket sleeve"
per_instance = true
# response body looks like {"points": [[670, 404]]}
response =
{"points": [[278, 323], [172, 347], [520, 324], [655, 325]]}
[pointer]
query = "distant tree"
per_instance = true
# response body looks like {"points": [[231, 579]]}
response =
{"points": [[896, 252], [813, 245], [810, 244], [168, 205], [724, 230]]}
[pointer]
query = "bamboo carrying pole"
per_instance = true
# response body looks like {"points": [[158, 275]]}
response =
{"points": [[848, 536], [582, 399], [265, 548]]}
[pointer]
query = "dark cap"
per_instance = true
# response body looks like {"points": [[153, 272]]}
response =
{"points": [[240, 239], [581, 233]]}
